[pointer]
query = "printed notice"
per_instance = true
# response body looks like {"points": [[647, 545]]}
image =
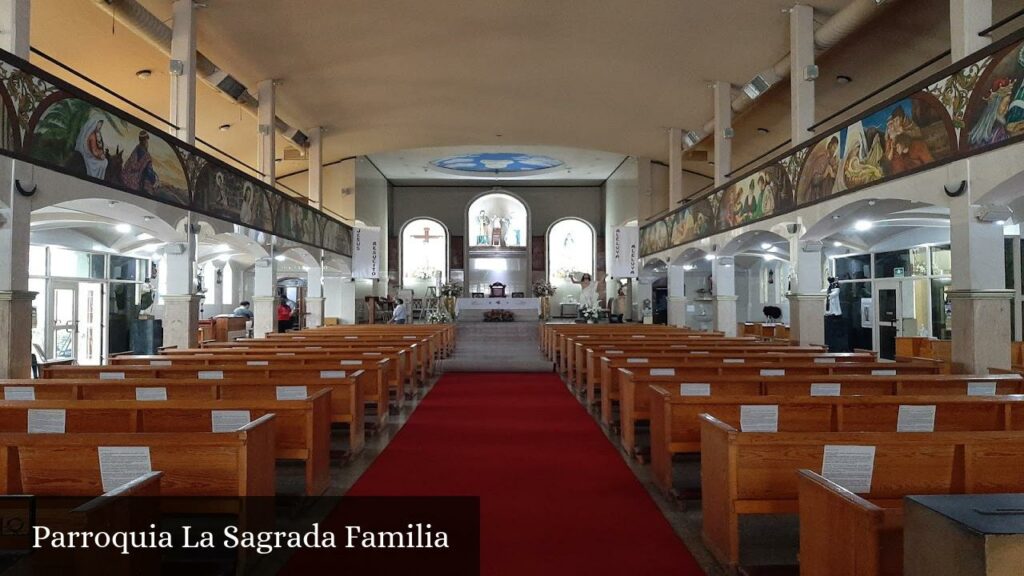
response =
{"points": [[824, 360], [111, 375], [351, 362], [703, 389], [409, 337], [734, 360], [257, 362], [211, 375], [151, 394], [981, 388], [286, 353], [849, 466], [639, 336], [636, 360], [298, 337], [700, 352], [291, 393], [371, 353], [613, 351], [826, 389], [120, 465], [772, 372], [679, 346], [46, 421], [757, 418], [332, 374], [883, 372], [228, 420], [351, 337], [916, 419], [19, 393], [314, 347], [159, 362], [663, 371]]}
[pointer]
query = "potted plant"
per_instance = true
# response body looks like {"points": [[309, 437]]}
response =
{"points": [[590, 314], [449, 292]]}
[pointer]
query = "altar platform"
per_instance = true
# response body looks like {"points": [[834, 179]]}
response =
{"points": [[473, 309]]}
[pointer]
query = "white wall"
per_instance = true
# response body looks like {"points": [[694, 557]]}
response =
{"points": [[371, 206]]}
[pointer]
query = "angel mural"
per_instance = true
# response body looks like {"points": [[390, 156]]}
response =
{"points": [[996, 108]]}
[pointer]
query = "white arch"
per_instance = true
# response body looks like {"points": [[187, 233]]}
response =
{"points": [[446, 268], [592, 239]]}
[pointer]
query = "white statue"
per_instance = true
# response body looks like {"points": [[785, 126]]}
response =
{"points": [[485, 228]]}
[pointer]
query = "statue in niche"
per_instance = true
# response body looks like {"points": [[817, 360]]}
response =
{"points": [[506, 229], [484, 222], [497, 236]]}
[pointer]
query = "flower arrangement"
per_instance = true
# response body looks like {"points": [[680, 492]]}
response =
{"points": [[451, 290], [590, 313], [543, 288], [438, 317], [498, 316]]}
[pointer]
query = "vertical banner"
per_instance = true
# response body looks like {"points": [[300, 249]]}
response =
{"points": [[623, 256], [366, 252]]}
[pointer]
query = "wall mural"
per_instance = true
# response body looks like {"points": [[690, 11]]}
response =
{"points": [[969, 108], [48, 122]]}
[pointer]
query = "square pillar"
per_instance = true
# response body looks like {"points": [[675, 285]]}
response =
{"points": [[677, 296], [264, 300], [807, 301], [801, 90], [675, 167], [723, 132], [181, 320], [723, 277], [267, 118], [16, 332], [314, 297], [183, 71]]}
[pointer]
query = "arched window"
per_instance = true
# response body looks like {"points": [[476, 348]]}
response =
{"points": [[424, 254], [570, 251]]}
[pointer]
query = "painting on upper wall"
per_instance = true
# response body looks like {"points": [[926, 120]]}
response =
{"points": [[756, 196], [91, 142], [995, 111], [222, 193]]}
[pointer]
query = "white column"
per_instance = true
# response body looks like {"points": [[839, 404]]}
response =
{"points": [[14, 27], [675, 167], [801, 50], [265, 117], [181, 303], [676, 295], [723, 278], [264, 298], [348, 301], [723, 132], [183, 71], [315, 296], [807, 300], [980, 302], [316, 167]]}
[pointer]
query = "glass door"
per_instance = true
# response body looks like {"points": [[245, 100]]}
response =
{"points": [[64, 329], [90, 323]]}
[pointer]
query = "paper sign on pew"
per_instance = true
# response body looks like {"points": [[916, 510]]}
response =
{"points": [[849, 466], [883, 372], [826, 389], [773, 372], [257, 363], [699, 389], [916, 418], [325, 374], [19, 393], [613, 351], [286, 353], [371, 353], [111, 375], [291, 392], [759, 418], [663, 371], [981, 388], [210, 375], [351, 362], [636, 360], [46, 421], [228, 420], [639, 336], [351, 337], [151, 394], [734, 360], [700, 352], [159, 362], [824, 360], [120, 465]]}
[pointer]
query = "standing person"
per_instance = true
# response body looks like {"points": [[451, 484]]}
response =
{"points": [[588, 291], [284, 317], [399, 315], [243, 309]]}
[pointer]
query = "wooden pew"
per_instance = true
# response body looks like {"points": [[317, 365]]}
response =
{"points": [[301, 427], [345, 404], [756, 473]]}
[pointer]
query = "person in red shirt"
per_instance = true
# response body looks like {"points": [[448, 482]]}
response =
{"points": [[284, 317]]}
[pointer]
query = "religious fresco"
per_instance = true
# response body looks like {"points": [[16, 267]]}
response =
{"points": [[977, 105], [48, 122]]}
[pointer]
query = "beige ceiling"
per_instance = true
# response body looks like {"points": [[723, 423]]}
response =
{"points": [[608, 75]]}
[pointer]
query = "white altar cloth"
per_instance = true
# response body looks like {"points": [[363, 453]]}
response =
{"points": [[497, 304]]}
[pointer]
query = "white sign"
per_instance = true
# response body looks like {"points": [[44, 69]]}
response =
{"points": [[883, 372], [613, 351], [826, 389], [291, 393], [623, 257], [756, 418], [371, 353], [151, 394], [159, 362], [332, 374], [211, 375], [700, 352], [849, 466], [695, 389], [111, 375], [19, 393], [120, 465], [663, 371], [982, 388], [257, 362], [46, 421], [824, 360], [286, 353], [637, 336], [773, 372], [366, 252], [734, 360], [228, 420], [351, 362], [916, 419], [636, 360]]}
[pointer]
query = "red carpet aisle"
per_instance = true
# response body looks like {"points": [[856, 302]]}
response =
{"points": [[556, 497]]}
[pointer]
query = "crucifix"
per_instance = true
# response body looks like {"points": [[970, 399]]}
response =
{"points": [[426, 236]]}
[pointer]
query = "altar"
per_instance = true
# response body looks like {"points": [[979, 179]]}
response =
{"points": [[473, 309]]}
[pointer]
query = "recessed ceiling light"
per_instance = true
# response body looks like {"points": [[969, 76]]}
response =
{"points": [[709, 257], [112, 203], [763, 130], [144, 236], [279, 257], [843, 79], [223, 247], [144, 74], [837, 243], [765, 245], [98, 247], [872, 202], [224, 127], [835, 216], [147, 218], [123, 228], [863, 225]]}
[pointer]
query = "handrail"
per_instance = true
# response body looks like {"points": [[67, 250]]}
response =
{"points": [[95, 84], [759, 158], [1002, 23], [238, 161]]}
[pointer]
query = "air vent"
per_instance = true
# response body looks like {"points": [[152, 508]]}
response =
{"points": [[759, 85]]}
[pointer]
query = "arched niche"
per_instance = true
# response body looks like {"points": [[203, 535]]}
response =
{"points": [[571, 246], [497, 243], [423, 254]]}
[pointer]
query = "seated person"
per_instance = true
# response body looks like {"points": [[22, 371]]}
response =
{"points": [[244, 309]]}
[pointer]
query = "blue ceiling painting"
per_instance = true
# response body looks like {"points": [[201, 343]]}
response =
{"points": [[497, 162]]}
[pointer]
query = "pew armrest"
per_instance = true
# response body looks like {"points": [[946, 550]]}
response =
{"points": [[146, 485]]}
